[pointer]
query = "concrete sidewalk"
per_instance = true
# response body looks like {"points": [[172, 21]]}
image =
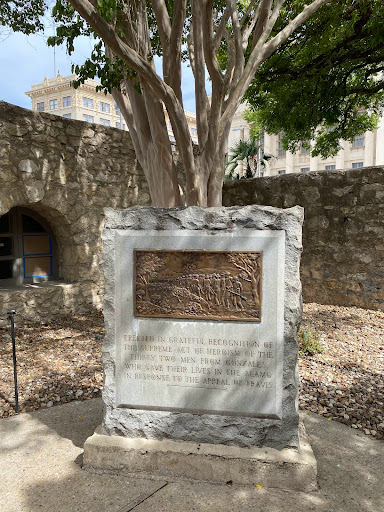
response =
{"points": [[40, 470]]}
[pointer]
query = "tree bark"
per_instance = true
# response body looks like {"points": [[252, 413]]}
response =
{"points": [[146, 122]]}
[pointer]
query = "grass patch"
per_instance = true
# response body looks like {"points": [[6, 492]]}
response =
{"points": [[309, 341]]}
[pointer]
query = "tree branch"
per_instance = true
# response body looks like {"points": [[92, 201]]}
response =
{"points": [[229, 72], [247, 29], [237, 43], [262, 51], [163, 22], [248, 12], [196, 52], [221, 27], [119, 48], [174, 68], [336, 56], [264, 10], [171, 38], [283, 35], [205, 18]]}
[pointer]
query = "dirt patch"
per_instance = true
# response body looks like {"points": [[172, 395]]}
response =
{"points": [[56, 363]]}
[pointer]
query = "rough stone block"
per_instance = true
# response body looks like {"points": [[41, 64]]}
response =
{"points": [[239, 383]]}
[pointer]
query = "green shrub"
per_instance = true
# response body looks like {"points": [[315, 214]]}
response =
{"points": [[309, 341]]}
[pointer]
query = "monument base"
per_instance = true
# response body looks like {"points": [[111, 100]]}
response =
{"points": [[179, 460]]}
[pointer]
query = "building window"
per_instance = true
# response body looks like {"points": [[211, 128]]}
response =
{"points": [[304, 169], [357, 164], [117, 109], [87, 102], [67, 101], [330, 167], [304, 150], [67, 116], [172, 138], [104, 107], [53, 104], [26, 247], [282, 171], [358, 141], [280, 150], [88, 119], [194, 132], [40, 107], [120, 125], [105, 122]]}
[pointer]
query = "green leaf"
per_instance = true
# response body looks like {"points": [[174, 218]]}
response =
{"points": [[326, 82]]}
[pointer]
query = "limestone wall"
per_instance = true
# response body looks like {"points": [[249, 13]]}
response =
{"points": [[68, 171], [343, 234]]}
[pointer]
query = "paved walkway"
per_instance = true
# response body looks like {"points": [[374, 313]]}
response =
{"points": [[40, 471]]}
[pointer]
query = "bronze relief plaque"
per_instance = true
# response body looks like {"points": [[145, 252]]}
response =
{"points": [[198, 285]]}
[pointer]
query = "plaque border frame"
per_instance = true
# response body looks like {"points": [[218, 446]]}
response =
{"points": [[160, 235]]}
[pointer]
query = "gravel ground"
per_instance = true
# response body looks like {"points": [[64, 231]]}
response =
{"points": [[61, 362], [345, 382]]}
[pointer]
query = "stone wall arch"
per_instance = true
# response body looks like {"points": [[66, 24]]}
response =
{"points": [[64, 233], [75, 285], [67, 171], [76, 243]]}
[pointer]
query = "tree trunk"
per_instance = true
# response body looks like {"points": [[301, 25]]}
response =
{"points": [[204, 171], [144, 115], [249, 40], [217, 173]]}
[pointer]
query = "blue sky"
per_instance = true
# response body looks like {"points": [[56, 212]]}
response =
{"points": [[26, 60]]}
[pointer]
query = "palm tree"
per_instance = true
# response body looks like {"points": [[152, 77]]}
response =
{"points": [[249, 151]]}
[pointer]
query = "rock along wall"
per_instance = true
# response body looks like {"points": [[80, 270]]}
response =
{"points": [[67, 171], [343, 234]]}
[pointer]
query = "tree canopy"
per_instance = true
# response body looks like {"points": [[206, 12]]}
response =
{"points": [[23, 15], [227, 39], [326, 82]]}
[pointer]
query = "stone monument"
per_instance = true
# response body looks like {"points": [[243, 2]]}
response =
{"points": [[202, 307]]}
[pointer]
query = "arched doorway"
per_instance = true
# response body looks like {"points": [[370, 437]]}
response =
{"points": [[27, 248]]}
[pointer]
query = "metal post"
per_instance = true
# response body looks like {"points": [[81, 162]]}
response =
{"points": [[12, 320], [258, 168]]}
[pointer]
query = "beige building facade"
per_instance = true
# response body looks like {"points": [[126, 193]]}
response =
{"points": [[57, 96], [365, 151]]}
